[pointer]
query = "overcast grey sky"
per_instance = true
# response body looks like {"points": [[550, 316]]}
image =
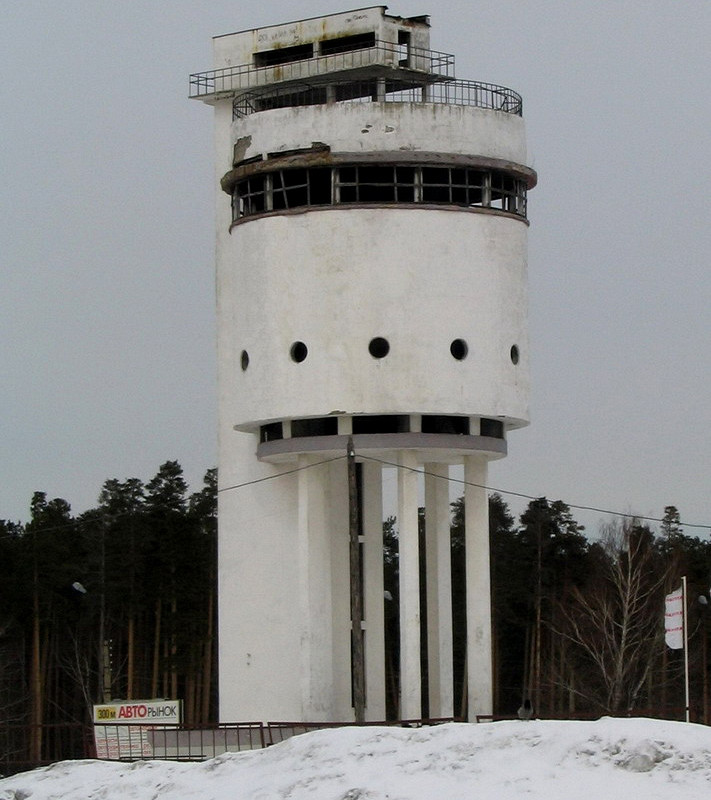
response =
{"points": [[106, 235]]}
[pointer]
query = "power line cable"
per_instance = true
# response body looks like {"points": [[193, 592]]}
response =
{"points": [[528, 496], [281, 474], [461, 481]]}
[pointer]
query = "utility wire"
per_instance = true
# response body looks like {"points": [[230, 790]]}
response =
{"points": [[281, 474], [528, 496], [449, 479]]}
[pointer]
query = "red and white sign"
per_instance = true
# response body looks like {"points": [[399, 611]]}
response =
{"points": [[674, 619], [122, 730], [132, 712]]}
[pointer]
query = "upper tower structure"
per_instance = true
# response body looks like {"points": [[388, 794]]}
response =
{"points": [[371, 282]]}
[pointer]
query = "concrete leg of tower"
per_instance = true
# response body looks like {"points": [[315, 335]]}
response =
{"points": [[337, 499], [439, 591], [478, 581], [410, 673], [258, 547], [372, 507], [315, 593]]}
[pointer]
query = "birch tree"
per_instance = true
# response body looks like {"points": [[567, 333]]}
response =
{"points": [[613, 623]]}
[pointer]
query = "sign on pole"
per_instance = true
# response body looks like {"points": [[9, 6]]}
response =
{"points": [[675, 631], [674, 619]]}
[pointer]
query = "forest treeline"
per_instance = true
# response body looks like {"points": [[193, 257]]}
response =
{"points": [[116, 602], [120, 602]]}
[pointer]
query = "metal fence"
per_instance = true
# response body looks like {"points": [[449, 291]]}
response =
{"points": [[454, 92], [175, 743], [380, 54], [280, 731], [62, 742]]}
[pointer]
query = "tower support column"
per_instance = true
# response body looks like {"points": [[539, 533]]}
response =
{"points": [[315, 594], [339, 570], [409, 570], [439, 591], [372, 519], [478, 582]]}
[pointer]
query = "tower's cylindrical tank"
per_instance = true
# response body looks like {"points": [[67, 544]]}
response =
{"points": [[385, 237]]}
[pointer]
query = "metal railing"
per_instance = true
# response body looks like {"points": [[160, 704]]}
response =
{"points": [[381, 54], [179, 743], [450, 92], [65, 741], [281, 731]]}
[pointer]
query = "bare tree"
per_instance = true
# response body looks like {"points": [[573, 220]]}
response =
{"points": [[613, 623]]}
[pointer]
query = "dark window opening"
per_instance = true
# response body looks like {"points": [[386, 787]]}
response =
{"points": [[436, 184], [349, 91], [250, 196], [459, 349], [319, 426], [244, 360], [491, 427], [290, 189], [379, 347], [271, 432], [514, 354], [382, 423], [298, 352], [433, 423], [283, 55], [288, 99], [300, 187], [344, 44], [403, 41], [320, 187]]}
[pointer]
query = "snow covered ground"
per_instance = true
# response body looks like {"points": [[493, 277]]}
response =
{"points": [[634, 759]]}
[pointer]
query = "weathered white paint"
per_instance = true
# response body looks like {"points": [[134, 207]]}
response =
{"points": [[234, 49], [315, 592], [335, 277], [409, 565], [385, 127], [439, 591], [478, 580]]}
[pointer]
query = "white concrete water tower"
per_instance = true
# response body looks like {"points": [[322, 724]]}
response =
{"points": [[371, 282]]}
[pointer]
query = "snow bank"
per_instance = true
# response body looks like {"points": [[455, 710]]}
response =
{"points": [[614, 758]]}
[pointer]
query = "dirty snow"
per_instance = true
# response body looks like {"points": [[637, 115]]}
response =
{"points": [[612, 758]]}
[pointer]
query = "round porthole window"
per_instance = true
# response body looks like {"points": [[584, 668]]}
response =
{"points": [[298, 352], [244, 360], [379, 347], [459, 349], [514, 354]]}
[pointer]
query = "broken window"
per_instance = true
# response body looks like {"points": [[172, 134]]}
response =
{"points": [[300, 187]]}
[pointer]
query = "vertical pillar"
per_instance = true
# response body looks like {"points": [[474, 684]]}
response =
{"points": [[439, 592], [315, 594], [478, 581], [410, 673], [372, 518], [337, 515]]}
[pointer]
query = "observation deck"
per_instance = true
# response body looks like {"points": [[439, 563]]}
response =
{"points": [[362, 71]]}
